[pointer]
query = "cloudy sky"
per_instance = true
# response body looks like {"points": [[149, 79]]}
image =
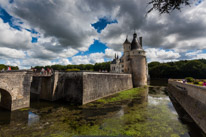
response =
{"points": [[47, 32]]}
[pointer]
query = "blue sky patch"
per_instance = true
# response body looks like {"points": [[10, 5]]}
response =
{"points": [[7, 18], [32, 31], [11, 1], [97, 46], [102, 23], [34, 40]]}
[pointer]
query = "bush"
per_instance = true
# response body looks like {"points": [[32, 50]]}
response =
{"points": [[201, 83], [190, 79], [74, 69], [196, 82]]}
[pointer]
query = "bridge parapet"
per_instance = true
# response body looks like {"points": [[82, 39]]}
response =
{"points": [[15, 89], [192, 98]]}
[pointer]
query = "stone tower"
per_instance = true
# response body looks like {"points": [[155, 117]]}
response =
{"points": [[135, 61], [127, 49]]}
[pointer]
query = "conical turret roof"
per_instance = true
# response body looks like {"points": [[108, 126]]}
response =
{"points": [[126, 41], [135, 44]]}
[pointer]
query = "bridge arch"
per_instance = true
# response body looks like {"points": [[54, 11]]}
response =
{"points": [[5, 99]]}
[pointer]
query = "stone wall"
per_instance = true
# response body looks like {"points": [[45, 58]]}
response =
{"points": [[15, 89], [192, 99], [43, 87], [98, 85], [196, 92], [80, 87]]}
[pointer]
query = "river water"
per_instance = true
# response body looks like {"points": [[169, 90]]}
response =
{"points": [[139, 112]]}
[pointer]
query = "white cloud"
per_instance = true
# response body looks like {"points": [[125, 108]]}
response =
{"points": [[199, 54], [12, 38], [80, 60], [193, 53], [11, 53], [62, 61], [49, 48], [27, 63], [13, 62], [161, 55], [88, 59], [96, 57], [110, 53]]}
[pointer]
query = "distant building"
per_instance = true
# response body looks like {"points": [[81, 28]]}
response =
{"points": [[117, 65], [133, 61]]}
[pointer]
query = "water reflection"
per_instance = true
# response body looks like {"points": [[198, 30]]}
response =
{"points": [[33, 118], [157, 100], [7, 117], [18, 117]]}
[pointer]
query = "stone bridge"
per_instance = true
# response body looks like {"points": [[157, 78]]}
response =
{"points": [[15, 89]]}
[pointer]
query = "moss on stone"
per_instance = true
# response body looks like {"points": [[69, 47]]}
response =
{"points": [[124, 95]]}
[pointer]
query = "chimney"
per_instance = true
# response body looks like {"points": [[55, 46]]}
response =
{"points": [[140, 41]]}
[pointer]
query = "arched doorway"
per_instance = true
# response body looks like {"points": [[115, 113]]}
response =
{"points": [[5, 99]]}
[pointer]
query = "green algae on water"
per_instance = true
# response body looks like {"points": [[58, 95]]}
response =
{"points": [[128, 112]]}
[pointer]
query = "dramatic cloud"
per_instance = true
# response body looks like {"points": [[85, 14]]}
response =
{"points": [[50, 50], [68, 21], [181, 31], [63, 28], [12, 38]]}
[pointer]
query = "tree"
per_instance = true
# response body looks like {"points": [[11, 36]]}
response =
{"points": [[179, 69], [167, 6]]}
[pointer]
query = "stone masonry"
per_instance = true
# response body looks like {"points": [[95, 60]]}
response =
{"points": [[80, 87], [15, 89], [192, 98]]}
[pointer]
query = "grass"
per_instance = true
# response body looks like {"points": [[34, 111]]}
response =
{"points": [[124, 95], [199, 84]]}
